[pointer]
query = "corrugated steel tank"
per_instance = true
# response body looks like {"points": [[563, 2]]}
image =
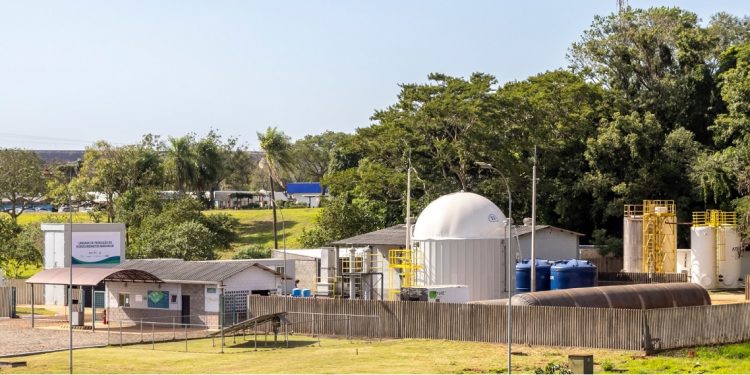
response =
{"points": [[633, 243], [639, 296]]}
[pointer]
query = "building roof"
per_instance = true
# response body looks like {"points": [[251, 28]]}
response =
{"points": [[178, 270], [91, 276], [304, 188], [396, 236], [391, 236], [523, 230]]}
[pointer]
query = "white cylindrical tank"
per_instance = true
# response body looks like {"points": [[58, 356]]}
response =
{"points": [[633, 243], [730, 265], [683, 261], [703, 256], [460, 236]]}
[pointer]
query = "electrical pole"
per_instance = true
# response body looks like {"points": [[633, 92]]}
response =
{"points": [[272, 200]]}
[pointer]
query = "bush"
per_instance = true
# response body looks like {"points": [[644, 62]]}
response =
{"points": [[253, 252]]}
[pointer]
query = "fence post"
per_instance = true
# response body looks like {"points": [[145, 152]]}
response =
{"points": [[108, 343], [141, 330], [186, 338], [174, 329], [153, 336], [32, 307], [121, 333]]}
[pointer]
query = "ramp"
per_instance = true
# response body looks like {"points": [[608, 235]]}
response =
{"points": [[279, 317]]}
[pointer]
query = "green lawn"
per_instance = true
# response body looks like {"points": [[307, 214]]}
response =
{"points": [[26, 310], [388, 356], [255, 225]]}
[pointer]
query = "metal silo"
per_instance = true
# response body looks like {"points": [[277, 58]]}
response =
{"points": [[703, 255], [728, 244], [633, 238]]}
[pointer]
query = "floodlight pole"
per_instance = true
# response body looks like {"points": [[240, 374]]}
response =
{"points": [[509, 258], [70, 289]]}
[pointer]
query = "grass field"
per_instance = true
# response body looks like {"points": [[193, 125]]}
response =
{"points": [[389, 356], [256, 226]]}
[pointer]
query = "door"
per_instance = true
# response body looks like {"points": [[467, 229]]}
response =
{"points": [[185, 309]]}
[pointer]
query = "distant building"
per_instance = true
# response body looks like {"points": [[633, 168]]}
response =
{"points": [[309, 193]]}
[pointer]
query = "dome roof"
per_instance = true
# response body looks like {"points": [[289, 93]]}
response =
{"points": [[459, 216]]}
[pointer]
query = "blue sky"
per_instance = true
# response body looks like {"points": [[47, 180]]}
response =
{"points": [[73, 72]]}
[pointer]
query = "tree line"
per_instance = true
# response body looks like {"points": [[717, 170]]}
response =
{"points": [[654, 105]]}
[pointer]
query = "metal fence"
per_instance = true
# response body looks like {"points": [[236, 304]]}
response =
{"points": [[622, 278], [747, 288], [534, 325], [24, 293]]}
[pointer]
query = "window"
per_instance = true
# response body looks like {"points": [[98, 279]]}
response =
{"points": [[123, 300], [280, 270], [173, 298], [211, 290]]}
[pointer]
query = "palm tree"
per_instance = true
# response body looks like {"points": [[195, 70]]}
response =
{"points": [[276, 146], [181, 163]]}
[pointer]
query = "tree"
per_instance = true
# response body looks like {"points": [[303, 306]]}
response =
{"points": [[21, 180], [20, 247], [655, 60], [340, 218], [275, 144], [181, 165], [312, 154]]}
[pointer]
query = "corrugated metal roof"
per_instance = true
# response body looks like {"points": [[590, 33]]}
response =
{"points": [[91, 276], [304, 188], [176, 270], [391, 236]]}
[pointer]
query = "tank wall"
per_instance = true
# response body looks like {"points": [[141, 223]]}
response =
{"points": [[703, 257], [633, 244], [669, 246], [730, 266], [476, 263]]}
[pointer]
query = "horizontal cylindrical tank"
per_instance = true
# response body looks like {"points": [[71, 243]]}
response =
{"points": [[638, 296], [523, 275], [572, 273], [730, 264], [306, 293], [296, 292], [703, 256], [632, 242]]}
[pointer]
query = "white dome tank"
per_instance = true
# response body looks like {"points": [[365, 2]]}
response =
{"points": [[460, 216], [461, 238], [703, 256], [730, 264]]}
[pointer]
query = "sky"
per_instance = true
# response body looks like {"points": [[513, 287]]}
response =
{"points": [[74, 72]]}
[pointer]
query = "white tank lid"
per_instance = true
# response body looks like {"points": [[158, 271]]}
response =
{"points": [[460, 216]]}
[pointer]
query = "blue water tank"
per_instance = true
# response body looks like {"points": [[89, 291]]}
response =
{"points": [[296, 292], [573, 273], [306, 293], [523, 275]]}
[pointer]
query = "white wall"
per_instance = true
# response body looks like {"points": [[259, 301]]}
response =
{"points": [[551, 244], [272, 263], [253, 278], [141, 289]]}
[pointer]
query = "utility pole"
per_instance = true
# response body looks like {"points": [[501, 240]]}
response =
{"points": [[272, 200], [408, 204], [533, 224]]}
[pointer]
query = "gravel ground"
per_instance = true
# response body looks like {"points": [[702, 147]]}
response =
{"points": [[18, 336]]}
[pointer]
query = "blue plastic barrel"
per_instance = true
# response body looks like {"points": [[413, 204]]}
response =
{"points": [[573, 273], [523, 275], [306, 293], [296, 292]]}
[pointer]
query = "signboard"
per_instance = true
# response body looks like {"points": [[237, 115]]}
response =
{"points": [[158, 299], [97, 247]]}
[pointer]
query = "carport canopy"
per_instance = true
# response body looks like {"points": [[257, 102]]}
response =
{"points": [[91, 276]]}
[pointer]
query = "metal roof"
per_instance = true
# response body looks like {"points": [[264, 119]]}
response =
{"points": [[396, 236], [178, 270], [391, 236], [91, 276], [304, 188]]}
